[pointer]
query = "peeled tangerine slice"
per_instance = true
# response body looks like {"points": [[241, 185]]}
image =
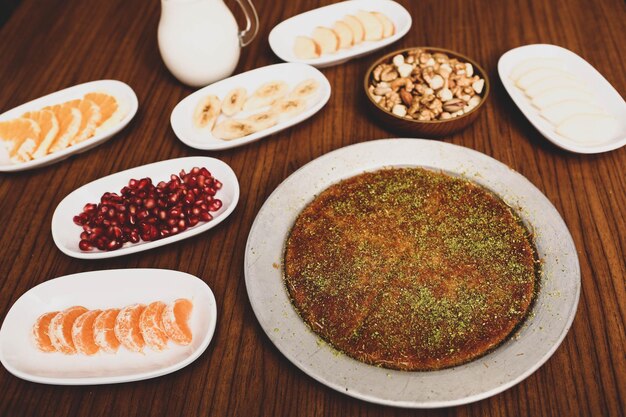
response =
{"points": [[69, 117], [14, 133], [111, 111], [327, 39], [533, 64], [558, 112], [60, 329], [40, 332], [175, 318], [104, 330], [539, 74], [151, 326], [556, 95], [540, 87], [91, 117], [127, 328], [358, 32], [83, 333], [589, 128], [388, 27], [372, 27], [343, 31], [49, 125]]}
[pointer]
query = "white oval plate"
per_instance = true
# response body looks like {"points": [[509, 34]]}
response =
{"points": [[602, 89], [283, 35], [121, 91], [114, 288], [292, 74], [66, 233], [517, 358]]}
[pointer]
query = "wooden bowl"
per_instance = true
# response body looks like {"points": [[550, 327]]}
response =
{"points": [[433, 128]]}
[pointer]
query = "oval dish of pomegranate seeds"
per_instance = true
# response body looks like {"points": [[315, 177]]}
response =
{"points": [[145, 207]]}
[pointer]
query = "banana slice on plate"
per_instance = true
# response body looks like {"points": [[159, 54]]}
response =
{"points": [[231, 129], [234, 101], [305, 88], [288, 108], [263, 120], [266, 94], [207, 111]]}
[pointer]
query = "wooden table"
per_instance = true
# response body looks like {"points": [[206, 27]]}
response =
{"points": [[47, 46]]}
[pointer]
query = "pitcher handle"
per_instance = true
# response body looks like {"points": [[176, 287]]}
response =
{"points": [[252, 22]]}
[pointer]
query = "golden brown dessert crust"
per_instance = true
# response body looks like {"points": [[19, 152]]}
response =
{"points": [[410, 269]]}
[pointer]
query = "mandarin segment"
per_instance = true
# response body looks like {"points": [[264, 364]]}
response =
{"points": [[70, 119], [175, 321], [40, 332], [60, 329], [127, 328], [83, 333], [18, 132], [49, 125], [91, 117], [104, 330], [151, 325]]}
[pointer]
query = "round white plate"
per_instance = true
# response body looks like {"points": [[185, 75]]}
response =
{"points": [[125, 96], [66, 233], [509, 364], [292, 74], [114, 288], [283, 36], [602, 89]]}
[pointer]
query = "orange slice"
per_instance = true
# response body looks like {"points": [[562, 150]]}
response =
{"points": [[175, 318], [83, 335], [104, 330], [127, 327], [90, 120], [70, 119], [151, 325], [40, 332], [110, 109], [49, 125], [60, 329], [17, 132]]}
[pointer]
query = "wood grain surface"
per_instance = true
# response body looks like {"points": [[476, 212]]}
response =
{"points": [[49, 45]]}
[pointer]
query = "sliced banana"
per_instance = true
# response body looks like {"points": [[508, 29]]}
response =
{"points": [[266, 94], [234, 101], [231, 129], [207, 111], [263, 120], [289, 108], [305, 88]]}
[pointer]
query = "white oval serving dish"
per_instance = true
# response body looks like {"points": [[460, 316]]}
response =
{"points": [[292, 74], [114, 288], [121, 91], [603, 91], [66, 233], [283, 35]]}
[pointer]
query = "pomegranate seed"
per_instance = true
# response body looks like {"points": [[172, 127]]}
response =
{"points": [[205, 216], [78, 220], [149, 203], [84, 236], [205, 172], [132, 184], [174, 230], [215, 205], [90, 208], [85, 245], [217, 185], [142, 214], [193, 220], [110, 213], [134, 236], [113, 244]]}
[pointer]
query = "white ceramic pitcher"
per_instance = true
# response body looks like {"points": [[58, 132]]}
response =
{"points": [[199, 40]]}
